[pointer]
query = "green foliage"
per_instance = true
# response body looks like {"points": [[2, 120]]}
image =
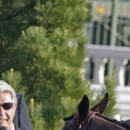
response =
{"points": [[14, 78], [109, 87], [36, 115], [44, 42]]}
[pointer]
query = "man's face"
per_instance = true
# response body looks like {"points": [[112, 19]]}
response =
{"points": [[6, 116]]}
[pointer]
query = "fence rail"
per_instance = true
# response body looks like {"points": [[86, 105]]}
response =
{"points": [[100, 55], [120, 55], [123, 101]]}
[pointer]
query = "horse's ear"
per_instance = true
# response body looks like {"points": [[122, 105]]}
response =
{"points": [[83, 107], [100, 107]]}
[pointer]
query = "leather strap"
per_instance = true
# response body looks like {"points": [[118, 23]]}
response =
{"points": [[87, 120]]}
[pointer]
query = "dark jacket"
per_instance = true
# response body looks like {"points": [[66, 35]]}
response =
{"points": [[2, 128], [18, 128], [21, 118]]}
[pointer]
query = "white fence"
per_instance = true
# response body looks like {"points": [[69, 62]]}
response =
{"points": [[99, 54], [123, 101]]}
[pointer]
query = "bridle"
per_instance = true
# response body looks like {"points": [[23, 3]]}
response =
{"points": [[86, 120], [80, 124], [84, 124]]}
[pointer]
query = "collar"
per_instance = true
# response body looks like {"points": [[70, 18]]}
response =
{"points": [[13, 127]]}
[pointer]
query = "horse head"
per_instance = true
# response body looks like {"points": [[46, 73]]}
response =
{"points": [[85, 119], [76, 121]]}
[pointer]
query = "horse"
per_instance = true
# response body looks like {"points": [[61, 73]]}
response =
{"points": [[93, 119]]}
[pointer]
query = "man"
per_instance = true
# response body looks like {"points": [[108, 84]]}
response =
{"points": [[8, 104], [20, 120]]}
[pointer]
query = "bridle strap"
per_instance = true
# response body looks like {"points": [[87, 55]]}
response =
{"points": [[90, 115], [84, 124], [67, 126], [86, 121], [88, 118]]}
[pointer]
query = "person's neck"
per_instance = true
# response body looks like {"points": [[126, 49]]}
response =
{"points": [[11, 127]]}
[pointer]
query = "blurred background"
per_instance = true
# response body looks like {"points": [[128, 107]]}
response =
{"points": [[108, 47]]}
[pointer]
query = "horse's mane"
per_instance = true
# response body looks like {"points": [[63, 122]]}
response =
{"points": [[69, 118], [125, 124]]}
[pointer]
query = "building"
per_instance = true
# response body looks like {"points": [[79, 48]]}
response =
{"points": [[108, 48]]}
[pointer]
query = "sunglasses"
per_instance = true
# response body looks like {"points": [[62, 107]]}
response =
{"points": [[7, 105]]}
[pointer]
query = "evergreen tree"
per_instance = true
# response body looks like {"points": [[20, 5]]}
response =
{"points": [[45, 42], [110, 83], [13, 78], [110, 87]]}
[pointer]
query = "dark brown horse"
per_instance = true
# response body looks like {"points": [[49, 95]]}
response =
{"points": [[85, 119]]}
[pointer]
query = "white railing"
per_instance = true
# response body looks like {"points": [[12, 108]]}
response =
{"points": [[122, 98], [99, 55]]}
